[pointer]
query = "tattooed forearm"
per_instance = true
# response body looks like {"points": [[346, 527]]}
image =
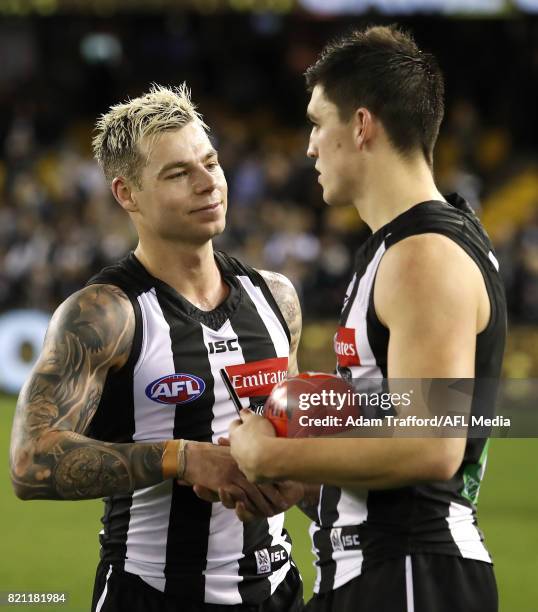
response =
{"points": [[70, 466], [288, 302], [90, 334]]}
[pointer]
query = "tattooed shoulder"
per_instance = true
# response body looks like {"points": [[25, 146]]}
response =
{"points": [[89, 334], [97, 322], [286, 297]]}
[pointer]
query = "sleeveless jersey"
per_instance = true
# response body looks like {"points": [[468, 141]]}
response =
{"points": [[355, 531], [172, 387]]}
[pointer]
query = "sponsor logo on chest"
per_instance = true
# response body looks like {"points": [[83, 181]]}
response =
{"points": [[345, 347], [257, 378], [175, 389]]}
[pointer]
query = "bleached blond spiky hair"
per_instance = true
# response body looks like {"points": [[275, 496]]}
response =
{"points": [[121, 129]]}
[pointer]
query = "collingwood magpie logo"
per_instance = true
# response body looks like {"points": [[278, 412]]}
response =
{"points": [[336, 542], [263, 561]]}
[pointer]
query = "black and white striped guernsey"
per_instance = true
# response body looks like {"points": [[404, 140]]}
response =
{"points": [[355, 531], [171, 387]]}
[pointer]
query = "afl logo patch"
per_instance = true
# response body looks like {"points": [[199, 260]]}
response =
{"points": [[175, 389]]}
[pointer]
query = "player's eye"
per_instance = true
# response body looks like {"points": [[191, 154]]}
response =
{"points": [[177, 174]]}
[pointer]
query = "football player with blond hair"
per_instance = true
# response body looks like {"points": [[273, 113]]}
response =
{"points": [[130, 394]]}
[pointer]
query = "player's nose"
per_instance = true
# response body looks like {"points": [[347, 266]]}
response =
{"points": [[311, 150], [205, 181]]}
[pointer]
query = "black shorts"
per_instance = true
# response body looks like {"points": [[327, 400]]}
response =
{"points": [[415, 583], [124, 592]]}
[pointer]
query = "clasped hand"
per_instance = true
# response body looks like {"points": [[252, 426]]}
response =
{"points": [[214, 475]]}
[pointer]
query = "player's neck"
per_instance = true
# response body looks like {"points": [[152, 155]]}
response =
{"points": [[191, 271], [393, 187]]}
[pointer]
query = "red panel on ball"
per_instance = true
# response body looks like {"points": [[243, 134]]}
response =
{"points": [[311, 404]]}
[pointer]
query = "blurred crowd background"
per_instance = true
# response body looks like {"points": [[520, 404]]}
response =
{"points": [[59, 223]]}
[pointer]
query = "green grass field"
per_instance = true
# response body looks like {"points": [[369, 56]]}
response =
{"points": [[53, 546]]}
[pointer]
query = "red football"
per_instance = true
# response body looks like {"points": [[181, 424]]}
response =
{"points": [[311, 404]]}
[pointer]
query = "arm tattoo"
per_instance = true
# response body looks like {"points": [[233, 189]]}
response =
{"points": [[288, 302], [91, 333]]}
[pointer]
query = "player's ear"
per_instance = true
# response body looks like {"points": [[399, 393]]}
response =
{"points": [[364, 127], [123, 193]]}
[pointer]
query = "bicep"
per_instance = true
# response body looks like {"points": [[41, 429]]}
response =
{"points": [[432, 346], [88, 335], [426, 294]]}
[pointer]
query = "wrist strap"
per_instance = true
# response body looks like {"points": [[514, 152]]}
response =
{"points": [[174, 462], [181, 459]]}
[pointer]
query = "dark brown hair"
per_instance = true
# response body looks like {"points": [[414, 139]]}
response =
{"points": [[382, 69]]}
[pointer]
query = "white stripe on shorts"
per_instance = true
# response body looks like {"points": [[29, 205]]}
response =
{"points": [[409, 584], [103, 594]]}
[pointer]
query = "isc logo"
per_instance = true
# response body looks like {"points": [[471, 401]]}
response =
{"points": [[350, 540], [344, 541], [266, 558], [221, 346], [175, 389]]}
